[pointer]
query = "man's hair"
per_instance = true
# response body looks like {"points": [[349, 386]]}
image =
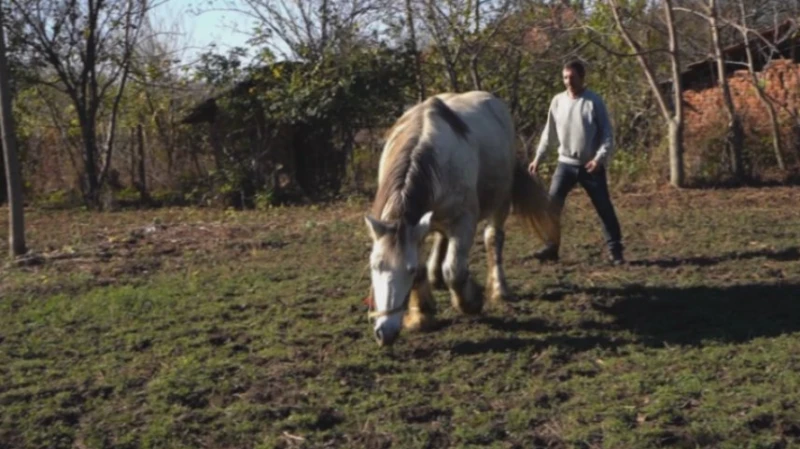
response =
{"points": [[577, 67]]}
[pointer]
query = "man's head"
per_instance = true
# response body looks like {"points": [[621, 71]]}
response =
{"points": [[574, 74]]}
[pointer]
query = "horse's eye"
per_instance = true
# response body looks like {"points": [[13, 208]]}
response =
{"points": [[412, 269]]}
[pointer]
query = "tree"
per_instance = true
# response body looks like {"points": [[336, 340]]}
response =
{"points": [[735, 138], [735, 130], [309, 29], [773, 118], [414, 47], [16, 235], [673, 116], [84, 49]]}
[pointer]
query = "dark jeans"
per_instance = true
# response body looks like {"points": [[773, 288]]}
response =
{"points": [[564, 180]]}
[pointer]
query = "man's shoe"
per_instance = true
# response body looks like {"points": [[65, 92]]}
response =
{"points": [[549, 253], [616, 258]]}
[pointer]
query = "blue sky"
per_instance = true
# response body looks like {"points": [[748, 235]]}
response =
{"points": [[195, 31]]}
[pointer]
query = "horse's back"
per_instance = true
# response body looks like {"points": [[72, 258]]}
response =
{"points": [[472, 137], [491, 135]]}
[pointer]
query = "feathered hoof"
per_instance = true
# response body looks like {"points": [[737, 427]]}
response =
{"points": [[470, 302], [415, 321], [497, 297]]}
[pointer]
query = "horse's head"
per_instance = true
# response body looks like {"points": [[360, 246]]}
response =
{"points": [[394, 264]]}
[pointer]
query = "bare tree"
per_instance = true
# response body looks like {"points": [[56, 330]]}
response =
{"points": [[735, 130], [461, 31], [674, 115], [86, 48], [735, 137], [773, 118], [16, 235], [414, 45], [441, 27], [306, 29]]}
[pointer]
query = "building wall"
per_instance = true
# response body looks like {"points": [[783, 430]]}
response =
{"points": [[705, 111], [707, 121]]}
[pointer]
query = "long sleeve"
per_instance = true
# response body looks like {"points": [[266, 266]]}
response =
{"points": [[606, 136], [548, 134]]}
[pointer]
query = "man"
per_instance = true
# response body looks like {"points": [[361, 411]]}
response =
{"points": [[579, 121]]}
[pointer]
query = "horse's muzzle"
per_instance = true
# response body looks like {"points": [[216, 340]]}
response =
{"points": [[386, 337]]}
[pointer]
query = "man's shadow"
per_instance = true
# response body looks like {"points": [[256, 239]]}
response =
{"points": [[695, 315], [662, 315], [784, 255]]}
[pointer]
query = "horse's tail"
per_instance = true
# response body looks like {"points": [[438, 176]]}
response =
{"points": [[531, 203]]}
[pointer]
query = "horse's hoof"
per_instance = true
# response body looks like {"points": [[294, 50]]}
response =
{"points": [[473, 307], [498, 298], [437, 283], [418, 322]]}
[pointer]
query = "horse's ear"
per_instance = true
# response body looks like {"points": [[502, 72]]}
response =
{"points": [[424, 225], [377, 229]]}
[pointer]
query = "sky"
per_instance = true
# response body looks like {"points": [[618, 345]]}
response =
{"points": [[194, 32]]}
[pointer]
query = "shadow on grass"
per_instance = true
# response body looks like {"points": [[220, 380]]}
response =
{"points": [[658, 316], [511, 344], [692, 315], [550, 336], [784, 255]]}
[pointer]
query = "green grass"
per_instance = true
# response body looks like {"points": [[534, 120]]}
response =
{"points": [[189, 328]]}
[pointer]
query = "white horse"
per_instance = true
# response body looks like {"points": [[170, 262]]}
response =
{"points": [[447, 164]]}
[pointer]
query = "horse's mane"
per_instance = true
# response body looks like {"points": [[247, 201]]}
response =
{"points": [[407, 192]]}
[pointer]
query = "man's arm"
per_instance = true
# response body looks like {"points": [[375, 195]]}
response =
{"points": [[549, 134], [606, 134]]}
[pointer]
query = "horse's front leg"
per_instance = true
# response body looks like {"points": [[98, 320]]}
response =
{"points": [[421, 305], [493, 239], [465, 294], [438, 251]]}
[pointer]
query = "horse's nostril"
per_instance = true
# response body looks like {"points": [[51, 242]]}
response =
{"points": [[385, 338]]}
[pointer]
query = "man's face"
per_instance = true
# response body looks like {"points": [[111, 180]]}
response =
{"points": [[572, 81]]}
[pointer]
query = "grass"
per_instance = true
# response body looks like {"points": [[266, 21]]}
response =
{"points": [[191, 328]]}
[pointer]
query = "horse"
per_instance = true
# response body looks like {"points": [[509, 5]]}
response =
{"points": [[448, 163]]}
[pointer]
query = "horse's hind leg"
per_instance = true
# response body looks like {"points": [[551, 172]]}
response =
{"points": [[465, 294], [421, 305], [438, 251], [494, 238]]}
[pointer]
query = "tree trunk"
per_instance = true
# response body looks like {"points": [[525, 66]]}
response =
{"points": [[473, 60], [144, 196], [3, 197], [676, 153], [773, 118], [672, 116], [473, 71], [91, 189], [676, 174], [450, 60], [412, 36], [16, 222], [735, 138]]}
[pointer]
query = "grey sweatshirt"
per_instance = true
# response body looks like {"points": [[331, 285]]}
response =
{"points": [[580, 126]]}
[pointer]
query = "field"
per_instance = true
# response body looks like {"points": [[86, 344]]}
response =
{"points": [[196, 328]]}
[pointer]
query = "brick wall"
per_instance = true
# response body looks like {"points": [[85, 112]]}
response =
{"points": [[705, 111], [706, 120]]}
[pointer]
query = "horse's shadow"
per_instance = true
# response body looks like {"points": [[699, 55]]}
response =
{"points": [[511, 344], [784, 255], [551, 335]]}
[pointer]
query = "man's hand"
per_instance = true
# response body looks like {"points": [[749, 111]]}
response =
{"points": [[592, 166], [533, 167]]}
